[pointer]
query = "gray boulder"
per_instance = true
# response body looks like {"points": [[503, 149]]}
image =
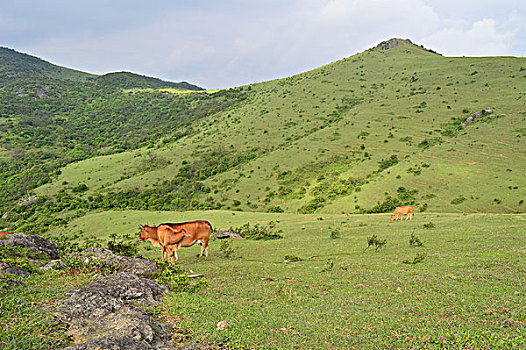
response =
{"points": [[53, 265], [6, 269], [102, 315], [222, 234], [106, 257], [34, 243], [117, 343]]}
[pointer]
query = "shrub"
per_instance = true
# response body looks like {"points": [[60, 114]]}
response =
{"points": [[458, 200], [79, 188], [123, 246], [387, 162], [176, 280], [419, 258], [275, 209], [335, 234], [292, 258], [313, 205], [415, 241], [429, 225], [226, 248], [256, 232], [77, 265], [373, 240], [389, 204], [329, 265]]}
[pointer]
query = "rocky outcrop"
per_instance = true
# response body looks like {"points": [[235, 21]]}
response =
{"points": [[54, 265], [36, 244], [106, 257], [102, 315], [477, 114], [7, 269], [222, 234]]}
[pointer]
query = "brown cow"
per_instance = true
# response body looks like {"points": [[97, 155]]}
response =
{"points": [[5, 233], [196, 232], [400, 211], [170, 240], [159, 237]]}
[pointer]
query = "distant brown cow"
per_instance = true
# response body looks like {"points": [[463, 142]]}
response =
{"points": [[195, 232], [400, 211], [5, 233]]}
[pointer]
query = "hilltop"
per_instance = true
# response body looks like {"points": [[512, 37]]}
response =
{"points": [[384, 127], [15, 67]]}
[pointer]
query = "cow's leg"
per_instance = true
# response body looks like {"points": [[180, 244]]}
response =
{"points": [[171, 255], [202, 247], [205, 246], [176, 249], [162, 253]]}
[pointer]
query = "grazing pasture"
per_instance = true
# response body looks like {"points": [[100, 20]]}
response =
{"points": [[464, 286]]}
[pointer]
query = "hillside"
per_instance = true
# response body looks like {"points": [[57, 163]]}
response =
{"points": [[127, 80], [16, 65], [363, 134], [51, 116]]}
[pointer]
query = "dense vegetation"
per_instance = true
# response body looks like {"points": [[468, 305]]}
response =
{"points": [[48, 122]]}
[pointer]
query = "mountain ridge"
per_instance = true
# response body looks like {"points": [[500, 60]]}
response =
{"points": [[16, 65]]}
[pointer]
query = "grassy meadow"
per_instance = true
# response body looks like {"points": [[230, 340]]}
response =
{"points": [[466, 292]]}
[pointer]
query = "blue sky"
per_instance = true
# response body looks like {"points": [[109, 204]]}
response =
{"points": [[217, 44]]}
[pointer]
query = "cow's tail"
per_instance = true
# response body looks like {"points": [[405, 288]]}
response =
{"points": [[211, 229]]}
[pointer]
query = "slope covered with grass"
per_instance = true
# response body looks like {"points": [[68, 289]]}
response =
{"points": [[344, 137], [381, 128]]}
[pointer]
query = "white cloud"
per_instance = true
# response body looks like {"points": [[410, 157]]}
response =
{"points": [[238, 42], [483, 38]]}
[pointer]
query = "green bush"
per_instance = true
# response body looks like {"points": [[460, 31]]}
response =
{"points": [[123, 246], [257, 232], [275, 209], [429, 225], [373, 240], [415, 241], [172, 276], [292, 258], [458, 200], [226, 248], [419, 258]]}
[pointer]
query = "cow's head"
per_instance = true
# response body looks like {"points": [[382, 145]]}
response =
{"points": [[185, 234], [144, 232], [393, 216]]}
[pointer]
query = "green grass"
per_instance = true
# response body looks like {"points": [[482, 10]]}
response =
{"points": [[24, 324], [467, 292]]}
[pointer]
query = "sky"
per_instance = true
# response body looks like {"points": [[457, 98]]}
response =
{"points": [[227, 43]]}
